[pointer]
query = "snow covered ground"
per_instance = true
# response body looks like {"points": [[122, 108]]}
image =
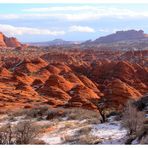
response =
{"points": [[57, 135], [109, 133]]}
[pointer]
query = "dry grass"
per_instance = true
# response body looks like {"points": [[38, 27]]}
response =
{"points": [[84, 130], [82, 114], [132, 119], [83, 139]]}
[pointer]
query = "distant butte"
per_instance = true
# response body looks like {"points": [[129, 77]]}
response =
{"points": [[120, 36]]}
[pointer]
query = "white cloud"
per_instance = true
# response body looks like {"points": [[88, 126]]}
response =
{"points": [[81, 13], [77, 13], [56, 16], [12, 30], [81, 29], [87, 12], [65, 8]]}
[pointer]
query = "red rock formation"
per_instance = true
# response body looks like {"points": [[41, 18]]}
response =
{"points": [[55, 92], [31, 66], [43, 74], [119, 92], [87, 82], [4, 72], [80, 82], [83, 92], [132, 74], [37, 83], [63, 68], [59, 82], [71, 77], [12, 42], [83, 97], [22, 77], [9, 42], [53, 69], [24, 87], [2, 42]]}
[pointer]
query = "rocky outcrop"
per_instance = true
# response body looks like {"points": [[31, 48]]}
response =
{"points": [[12, 42], [59, 82], [91, 79], [119, 36], [83, 97], [22, 77], [55, 92], [4, 72], [9, 42], [119, 92], [31, 66], [2, 42]]}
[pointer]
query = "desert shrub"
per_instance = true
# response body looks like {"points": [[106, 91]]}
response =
{"points": [[132, 119], [37, 112], [42, 110], [81, 114], [33, 113], [89, 139], [84, 130], [144, 140], [56, 113], [84, 139], [93, 121], [6, 134], [68, 125], [16, 113], [22, 133], [3, 112], [38, 142], [12, 118], [106, 112], [113, 113], [70, 139], [25, 132]]}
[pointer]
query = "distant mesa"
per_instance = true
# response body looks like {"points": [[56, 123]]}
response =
{"points": [[119, 36], [56, 42], [9, 41]]}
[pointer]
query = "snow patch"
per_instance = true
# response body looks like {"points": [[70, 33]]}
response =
{"points": [[110, 133], [51, 140]]}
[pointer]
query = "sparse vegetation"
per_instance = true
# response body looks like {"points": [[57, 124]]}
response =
{"points": [[85, 138], [84, 130], [26, 132], [82, 114], [38, 112], [22, 133], [134, 121], [132, 118]]}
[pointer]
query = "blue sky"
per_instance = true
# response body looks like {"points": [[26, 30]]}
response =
{"points": [[44, 22]]}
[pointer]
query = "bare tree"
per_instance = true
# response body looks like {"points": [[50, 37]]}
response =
{"points": [[22, 133], [6, 134], [132, 118], [26, 132]]}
